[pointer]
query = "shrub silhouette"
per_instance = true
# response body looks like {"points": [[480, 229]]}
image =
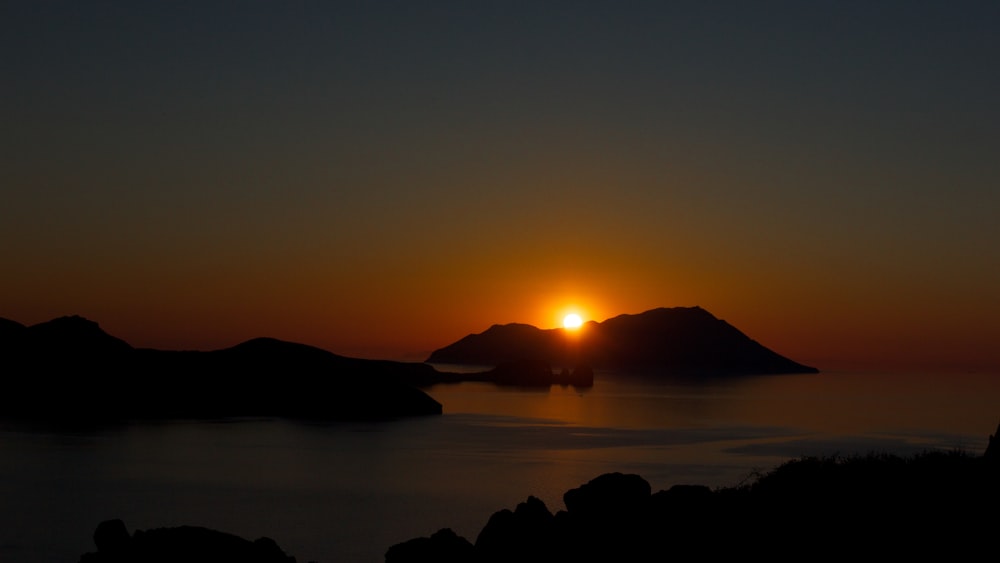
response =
{"points": [[875, 506]]}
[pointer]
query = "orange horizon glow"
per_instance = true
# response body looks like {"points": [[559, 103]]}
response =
{"points": [[411, 333]]}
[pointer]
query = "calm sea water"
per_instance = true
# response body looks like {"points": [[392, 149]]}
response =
{"points": [[346, 492]]}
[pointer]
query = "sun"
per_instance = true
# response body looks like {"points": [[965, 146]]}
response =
{"points": [[572, 320]]}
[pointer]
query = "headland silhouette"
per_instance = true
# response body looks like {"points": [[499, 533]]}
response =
{"points": [[70, 370]]}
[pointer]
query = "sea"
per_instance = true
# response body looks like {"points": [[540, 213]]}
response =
{"points": [[346, 492]]}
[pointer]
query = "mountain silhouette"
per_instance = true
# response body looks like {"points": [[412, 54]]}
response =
{"points": [[672, 341], [70, 369]]}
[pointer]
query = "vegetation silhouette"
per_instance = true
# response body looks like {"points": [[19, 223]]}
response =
{"points": [[877, 506]]}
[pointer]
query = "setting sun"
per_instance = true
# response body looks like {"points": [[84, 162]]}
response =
{"points": [[572, 320]]}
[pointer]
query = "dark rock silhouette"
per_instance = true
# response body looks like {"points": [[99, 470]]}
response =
{"points": [[518, 535], [191, 544], [445, 545], [880, 507], [993, 446], [678, 341], [68, 369], [608, 496]]}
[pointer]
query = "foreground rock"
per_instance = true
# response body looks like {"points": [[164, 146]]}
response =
{"points": [[876, 507], [188, 544]]}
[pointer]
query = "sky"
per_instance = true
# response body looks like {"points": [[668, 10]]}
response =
{"points": [[382, 178]]}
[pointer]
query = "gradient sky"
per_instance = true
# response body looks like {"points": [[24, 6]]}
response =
{"points": [[382, 178]]}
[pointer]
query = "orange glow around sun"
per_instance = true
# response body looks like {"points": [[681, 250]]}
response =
{"points": [[570, 314]]}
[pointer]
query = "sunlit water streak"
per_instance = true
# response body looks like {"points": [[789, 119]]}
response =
{"points": [[346, 492]]}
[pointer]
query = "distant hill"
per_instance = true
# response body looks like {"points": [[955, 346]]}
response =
{"points": [[69, 368], [679, 340]]}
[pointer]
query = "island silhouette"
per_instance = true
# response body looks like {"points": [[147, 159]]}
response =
{"points": [[662, 341], [68, 368]]}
